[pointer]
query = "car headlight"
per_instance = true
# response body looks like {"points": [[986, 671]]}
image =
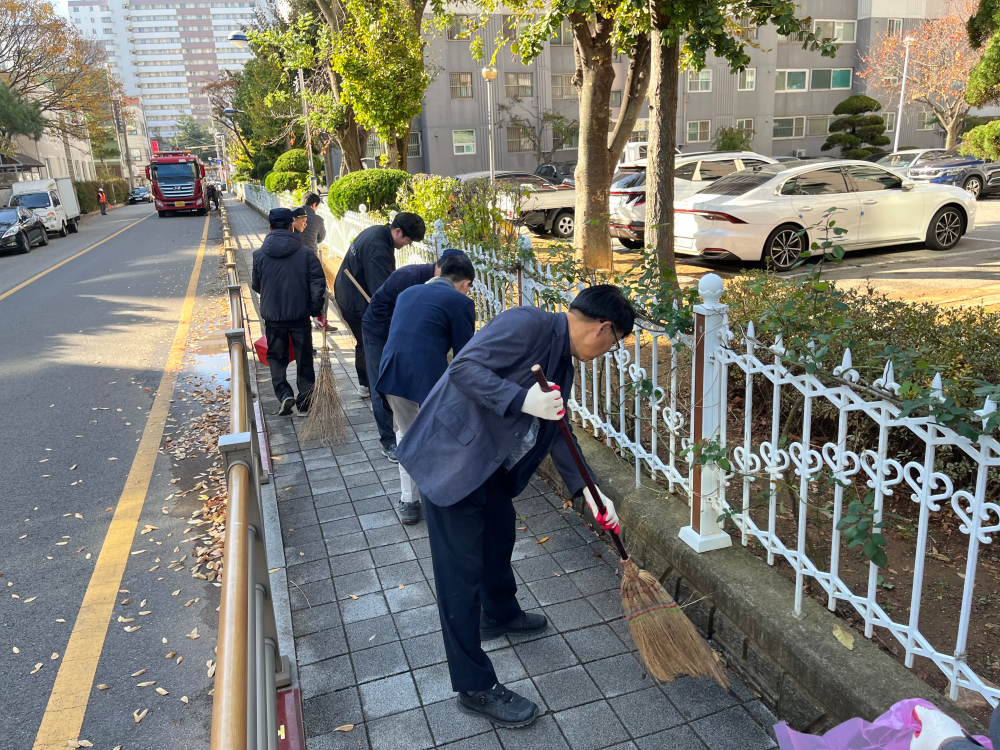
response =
{"points": [[10, 232], [951, 172]]}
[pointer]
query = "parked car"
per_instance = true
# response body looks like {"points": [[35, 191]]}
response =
{"points": [[52, 201], [140, 195], [500, 175], [557, 174], [902, 162], [20, 229], [691, 173], [759, 214], [977, 176]]}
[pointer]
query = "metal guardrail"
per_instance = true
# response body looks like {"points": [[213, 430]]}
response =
{"points": [[249, 667]]}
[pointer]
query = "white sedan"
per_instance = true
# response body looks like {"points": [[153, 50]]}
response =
{"points": [[758, 214]]}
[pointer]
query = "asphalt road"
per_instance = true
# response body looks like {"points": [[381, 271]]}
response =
{"points": [[84, 350]]}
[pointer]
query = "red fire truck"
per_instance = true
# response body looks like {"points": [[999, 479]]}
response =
{"points": [[178, 179]]}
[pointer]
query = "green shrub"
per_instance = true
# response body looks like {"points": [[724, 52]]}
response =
{"points": [[376, 188], [982, 142], [86, 193], [295, 161], [277, 182], [429, 195]]}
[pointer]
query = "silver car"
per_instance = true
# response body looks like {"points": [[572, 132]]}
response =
{"points": [[901, 162]]}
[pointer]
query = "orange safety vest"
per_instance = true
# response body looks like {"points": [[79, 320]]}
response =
{"points": [[102, 198]]}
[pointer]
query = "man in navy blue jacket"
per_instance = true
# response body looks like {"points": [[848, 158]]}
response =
{"points": [[375, 330], [479, 437], [292, 288], [430, 320]]}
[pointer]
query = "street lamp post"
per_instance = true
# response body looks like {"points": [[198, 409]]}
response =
{"points": [[489, 75], [902, 92]]}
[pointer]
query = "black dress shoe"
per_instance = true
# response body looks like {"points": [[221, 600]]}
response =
{"points": [[523, 623], [286, 407], [503, 707]]}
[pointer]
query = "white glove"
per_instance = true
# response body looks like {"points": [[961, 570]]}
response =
{"points": [[936, 728], [609, 519], [544, 405]]}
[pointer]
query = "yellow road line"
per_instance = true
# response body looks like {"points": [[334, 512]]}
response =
{"points": [[67, 705], [36, 277]]}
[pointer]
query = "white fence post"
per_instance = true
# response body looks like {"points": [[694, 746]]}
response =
{"points": [[707, 412]]}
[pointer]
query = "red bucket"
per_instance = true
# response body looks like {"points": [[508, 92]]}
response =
{"points": [[261, 346]]}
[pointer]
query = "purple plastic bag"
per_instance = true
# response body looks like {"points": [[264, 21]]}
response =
{"points": [[893, 730]]}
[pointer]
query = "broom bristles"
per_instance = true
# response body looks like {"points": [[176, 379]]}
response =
{"points": [[667, 640], [325, 421]]}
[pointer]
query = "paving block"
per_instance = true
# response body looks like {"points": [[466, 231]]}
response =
{"points": [[315, 619], [591, 726], [334, 513], [404, 573], [366, 492], [315, 647], [345, 526], [732, 729], [646, 711], [679, 738], [406, 731], [419, 621], [392, 695], [327, 485], [609, 604], [380, 661], [567, 688], [554, 590], [308, 535], [313, 594], [378, 520], [341, 565], [545, 655], [356, 739], [363, 608], [299, 520], [360, 583], [305, 553], [394, 553], [324, 713], [424, 650], [434, 683], [763, 715], [597, 642], [409, 597], [372, 505], [375, 631], [507, 666], [527, 547], [326, 676], [543, 734], [572, 615], [386, 535], [546, 523], [448, 724], [695, 698], [596, 580], [309, 572], [342, 545], [488, 741], [619, 675], [578, 558], [334, 497], [537, 568], [422, 547]]}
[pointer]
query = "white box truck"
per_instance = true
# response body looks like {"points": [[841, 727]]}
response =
{"points": [[53, 201]]}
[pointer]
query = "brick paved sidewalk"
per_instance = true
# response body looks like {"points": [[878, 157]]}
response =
{"points": [[368, 637]]}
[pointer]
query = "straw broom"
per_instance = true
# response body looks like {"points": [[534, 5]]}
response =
{"points": [[668, 642], [325, 421]]}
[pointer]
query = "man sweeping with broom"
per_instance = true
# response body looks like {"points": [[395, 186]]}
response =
{"points": [[475, 444]]}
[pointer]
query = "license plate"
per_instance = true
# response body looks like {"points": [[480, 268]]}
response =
{"points": [[178, 204]]}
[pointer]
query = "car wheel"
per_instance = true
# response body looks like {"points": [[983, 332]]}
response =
{"points": [[973, 186], [945, 229], [563, 225], [784, 247], [161, 214], [537, 230], [23, 243], [44, 240], [73, 227], [632, 244], [62, 230]]}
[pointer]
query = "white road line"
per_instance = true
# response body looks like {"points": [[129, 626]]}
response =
{"points": [[875, 263]]}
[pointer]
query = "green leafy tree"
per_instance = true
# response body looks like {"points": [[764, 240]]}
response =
{"points": [[534, 127], [983, 142], [857, 133], [17, 118], [732, 139], [104, 146], [983, 28]]}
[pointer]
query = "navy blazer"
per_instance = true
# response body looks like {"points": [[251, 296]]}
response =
{"points": [[430, 319], [375, 322], [472, 420]]}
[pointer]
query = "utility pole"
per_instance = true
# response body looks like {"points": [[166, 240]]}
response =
{"points": [[305, 122]]}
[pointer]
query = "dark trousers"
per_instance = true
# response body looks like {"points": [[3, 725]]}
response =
{"points": [[471, 544], [383, 413], [360, 363], [300, 334], [104, 208]]}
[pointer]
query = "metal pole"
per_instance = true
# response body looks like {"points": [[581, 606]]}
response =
{"points": [[272, 695], [902, 95], [489, 107], [261, 661], [305, 122], [251, 652]]}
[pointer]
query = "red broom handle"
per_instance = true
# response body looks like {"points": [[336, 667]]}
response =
{"points": [[578, 460]]}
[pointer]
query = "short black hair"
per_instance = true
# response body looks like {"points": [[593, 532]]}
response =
{"points": [[411, 224], [311, 199], [458, 268], [606, 302]]}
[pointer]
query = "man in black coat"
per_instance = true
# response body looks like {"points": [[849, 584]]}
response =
{"points": [[369, 261], [289, 279]]}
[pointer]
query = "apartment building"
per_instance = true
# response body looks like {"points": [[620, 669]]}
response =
{"points": [[785, 97], [166, 51]]}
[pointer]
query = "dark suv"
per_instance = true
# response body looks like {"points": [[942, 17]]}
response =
{"points": [[977, 176]]}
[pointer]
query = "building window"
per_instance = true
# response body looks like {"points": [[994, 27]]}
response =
{"points": [[790, 80], [890, 121], [616, 98], [895, 27], [791, 38], [463, 141], [461, 85], [820, 125], [572, 141], [640, 131], [519, 140], [699, 131], [414, 146], [564, 36], [519, 85], [926, 120], [108, 30], [459, 29], [789, 127], [839, 31], [747, 80], [745, 124], [700, 81], [105, 19], [508, 27], [374, 146], [747, 30], [563, 88], [824, 79]]}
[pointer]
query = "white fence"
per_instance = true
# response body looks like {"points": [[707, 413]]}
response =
{"points": [[664, 396]]}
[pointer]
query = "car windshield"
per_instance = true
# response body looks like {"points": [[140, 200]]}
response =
{"points": [[31, 200], [173, 172], [8, 215], [628, 178], [897, 160], [740, 183], [139, 190]]}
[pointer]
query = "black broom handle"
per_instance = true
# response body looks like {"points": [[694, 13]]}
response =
{"points": [[578, 460]]}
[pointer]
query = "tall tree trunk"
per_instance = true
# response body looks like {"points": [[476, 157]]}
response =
{"points": [[392, 151], [402, 146], [952, 129], [662, 141], [352, 139]]}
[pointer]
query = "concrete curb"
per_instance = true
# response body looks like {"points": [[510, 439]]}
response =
{"points": [[797, 666]]}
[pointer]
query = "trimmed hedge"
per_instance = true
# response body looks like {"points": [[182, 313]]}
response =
{"points": [[86, 193], [294, 160], [277, 182], [376, 188]]}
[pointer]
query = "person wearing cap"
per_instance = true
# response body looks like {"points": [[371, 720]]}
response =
{"points": [[102, 200], [370, 260], [299, 219], [292, 287], [375, 331]]}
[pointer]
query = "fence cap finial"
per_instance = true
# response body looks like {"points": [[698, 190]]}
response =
{"points": [[710, 288], [524, 242], [438, 225], [362, 208]]}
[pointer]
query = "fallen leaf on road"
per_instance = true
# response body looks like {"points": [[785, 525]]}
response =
{"points": [[126, 601], [102, 686], [211, 671], [184, 699], [401, 587], [125, 619], [172, 654], [54, 656], [353, 596], [189, 602], [844, 636], [543, 539], [139, 715], [147, 612], [73, 467], [37, 667], [112, 459], [193, 634], [142, 603], [164, 640], [79, 743], [176, 592], [30, 600], [344, 728], [59, 619], [17, 650], [161, 691], [146, 684], [132, 628], [137, 552], [179, 659]]}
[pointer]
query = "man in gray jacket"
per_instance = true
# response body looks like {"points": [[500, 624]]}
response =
{"points": [[315, 230]]}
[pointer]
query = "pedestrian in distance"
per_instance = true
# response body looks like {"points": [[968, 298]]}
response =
{"points": [[299, 216], [102, 201], [475, 444], [375, 330], [430, 320], [292, 288], [314, 231], [213, 194], [369, 261]]}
